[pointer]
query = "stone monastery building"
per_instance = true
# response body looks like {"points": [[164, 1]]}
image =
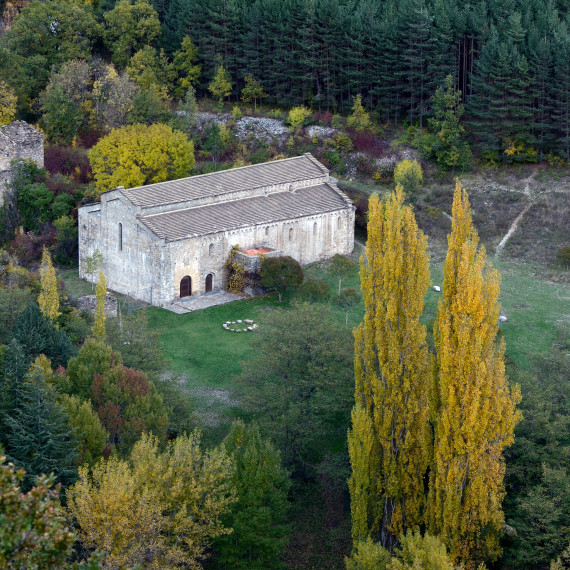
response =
{"points": [[170, 240]]}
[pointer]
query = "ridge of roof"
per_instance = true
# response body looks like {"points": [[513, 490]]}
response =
{"points": [[256, 210], [294, 169]]}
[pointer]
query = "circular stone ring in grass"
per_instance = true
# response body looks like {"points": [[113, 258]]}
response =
{"points": [[247, 325]]}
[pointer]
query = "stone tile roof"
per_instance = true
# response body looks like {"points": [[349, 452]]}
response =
{"points": [[258, 175], [246, 212]]}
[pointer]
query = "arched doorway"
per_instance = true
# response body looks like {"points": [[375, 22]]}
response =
{"points": [[185, 287], [209, 283]]}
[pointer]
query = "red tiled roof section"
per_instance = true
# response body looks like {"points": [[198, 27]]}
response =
{"points": [[284, 171], [247, 212]]}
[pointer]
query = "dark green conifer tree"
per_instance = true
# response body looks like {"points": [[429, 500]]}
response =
{"points": [[39, 437], [561, 104], [38, 335], [258, 518]]}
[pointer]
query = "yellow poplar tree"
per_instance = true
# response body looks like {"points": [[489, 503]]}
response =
{"points": [[100, 294], [473, 406], [48, 299], [389, 440]]}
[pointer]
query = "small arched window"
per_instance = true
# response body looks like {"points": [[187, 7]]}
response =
{"points": [[120, 237], [315, 229], [290, 234], [211, 250], [338, 222], [267, 231]]}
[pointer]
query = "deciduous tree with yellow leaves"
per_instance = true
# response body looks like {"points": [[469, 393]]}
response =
{"points": [[100, 294], [473, 408], [389, 441], [48, 299], [8, 102], [158, 509], [137, 155]]}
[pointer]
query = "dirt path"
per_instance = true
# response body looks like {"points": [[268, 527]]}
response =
{"points": [[515, 224]]}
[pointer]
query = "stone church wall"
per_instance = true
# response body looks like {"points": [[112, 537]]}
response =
{"points": [[307, 240], [131, 255], [141, 265]]}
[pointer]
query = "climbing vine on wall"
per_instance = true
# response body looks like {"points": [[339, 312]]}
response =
{"points": [[235, 272]]}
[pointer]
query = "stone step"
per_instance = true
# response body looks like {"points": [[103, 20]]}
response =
{"points": [[189, 304]]}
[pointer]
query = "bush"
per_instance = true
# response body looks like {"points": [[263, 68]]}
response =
{"points": [[314, 290], [563, 256], [324, 118], [262, 155], [28, 247], [342, 142], [236, 113], [298, 116], [337, 122], [409, 175], [332, 158], [365, 166], [365, 141], [69, 162]]}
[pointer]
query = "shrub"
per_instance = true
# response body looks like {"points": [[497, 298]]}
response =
{"points": [[342, 142], [409, 175], [262, 155], [563, 256], [314, 290], [324, 118], [365, 141], [332, 158], [235, 272], [236, 113], [298, 116], [337, 122], [68, 161], [28, 247], [365, 166]]}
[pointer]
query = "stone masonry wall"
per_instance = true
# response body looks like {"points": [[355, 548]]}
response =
{"points": [[18, 140], [147, 264]]}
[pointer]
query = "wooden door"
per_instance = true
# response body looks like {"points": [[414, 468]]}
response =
{"points": [[185, 287]]}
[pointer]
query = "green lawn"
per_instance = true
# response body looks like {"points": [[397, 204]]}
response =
{"points": [[209, 357], [197, 345]]}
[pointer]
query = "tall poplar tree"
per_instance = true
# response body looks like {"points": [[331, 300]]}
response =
{"points": [[48, 299], [100, 317], [389, 440], [473, 406]]}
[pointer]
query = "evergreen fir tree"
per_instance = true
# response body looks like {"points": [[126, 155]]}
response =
{"points": [[258, 517], [38, 335], [561, 89], [39, 437], [15, 364]]}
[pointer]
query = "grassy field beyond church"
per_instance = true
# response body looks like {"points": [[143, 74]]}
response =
{"points": [[209, 357], [198, 348]]}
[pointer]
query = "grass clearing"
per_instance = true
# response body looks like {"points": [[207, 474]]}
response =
{"points": [[198, 347], [209, 358]]}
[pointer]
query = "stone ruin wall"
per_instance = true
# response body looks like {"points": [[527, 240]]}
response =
{"points": [[18, 140]]}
